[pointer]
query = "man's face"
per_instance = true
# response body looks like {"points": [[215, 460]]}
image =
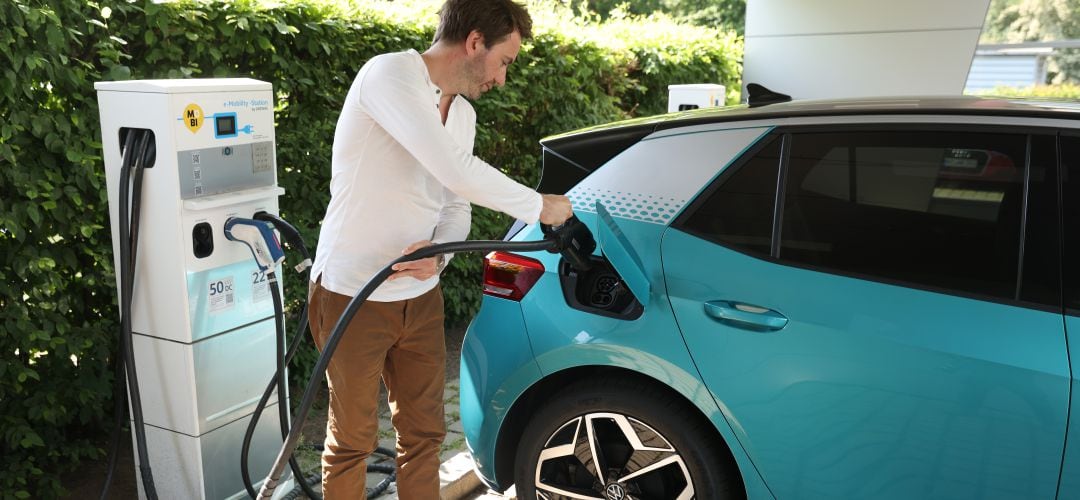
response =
{"points": [[486, 67]]}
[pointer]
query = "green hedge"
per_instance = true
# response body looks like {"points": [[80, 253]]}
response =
{"points": [[58, 301], [1066, 91]]}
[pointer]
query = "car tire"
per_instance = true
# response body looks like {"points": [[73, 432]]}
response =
{"points": [[649, 443]]}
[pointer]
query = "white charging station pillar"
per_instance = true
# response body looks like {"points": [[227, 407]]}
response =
{"points": [[202, 313], [694, 95]]}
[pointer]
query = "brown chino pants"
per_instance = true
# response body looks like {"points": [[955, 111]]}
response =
{"points": [[403, 343]]}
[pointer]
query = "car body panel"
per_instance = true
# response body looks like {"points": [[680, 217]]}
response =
{"points": [[1069, 157], [874, 390], [650, 345], [936, 398], [651, 205], [497, 366], [1070, 465]]}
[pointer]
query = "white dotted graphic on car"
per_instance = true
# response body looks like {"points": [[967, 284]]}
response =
{"points": [[626, 205]]}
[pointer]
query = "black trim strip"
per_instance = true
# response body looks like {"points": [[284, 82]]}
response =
{"points": [[1023, 217], [1059, 165], [781, 190]]}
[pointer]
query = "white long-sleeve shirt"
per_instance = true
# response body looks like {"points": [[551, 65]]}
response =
{"points": [[399, 175]]}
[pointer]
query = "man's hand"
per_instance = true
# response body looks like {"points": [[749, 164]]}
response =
{"points": [[556, 210], [420, 269]]}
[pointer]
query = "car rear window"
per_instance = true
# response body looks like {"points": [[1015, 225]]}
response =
{"points": [[938, 208]]}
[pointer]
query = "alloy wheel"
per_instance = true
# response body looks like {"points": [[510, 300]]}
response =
{"points": [[609, 456]]}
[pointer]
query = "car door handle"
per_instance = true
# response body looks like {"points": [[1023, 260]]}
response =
{"points": [[745, 315]]}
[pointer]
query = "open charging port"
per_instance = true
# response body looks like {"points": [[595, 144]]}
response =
{"points": [[598, 290]]}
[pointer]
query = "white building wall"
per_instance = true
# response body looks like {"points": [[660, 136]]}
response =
{"points": [[989, 71], [861, 48]]}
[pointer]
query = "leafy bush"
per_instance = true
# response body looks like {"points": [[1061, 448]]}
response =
{"points": [[58, 301], [1054, 92], [1039, 20]]}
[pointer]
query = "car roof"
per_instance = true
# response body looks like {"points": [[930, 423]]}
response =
{"points": [[952, 105], [570, 156]]}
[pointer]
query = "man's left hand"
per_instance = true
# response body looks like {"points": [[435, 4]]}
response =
{"points": [[420, 269]]}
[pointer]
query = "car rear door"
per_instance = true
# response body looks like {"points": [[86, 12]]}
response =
{"points": [[889, 325], [1070, 187]]}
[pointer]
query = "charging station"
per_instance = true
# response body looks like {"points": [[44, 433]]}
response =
{"points": [[694, 95], [202, 317]]}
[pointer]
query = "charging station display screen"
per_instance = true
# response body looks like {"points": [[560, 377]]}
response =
{"points": [[225, 125]]}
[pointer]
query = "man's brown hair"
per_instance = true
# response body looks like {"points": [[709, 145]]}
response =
{"points": [[495, 19]]}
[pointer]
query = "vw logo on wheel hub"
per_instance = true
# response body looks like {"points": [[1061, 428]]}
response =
{"points": [[614, 491]]}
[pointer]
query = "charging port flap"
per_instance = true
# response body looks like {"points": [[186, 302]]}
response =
{"points": [[614, 245]]}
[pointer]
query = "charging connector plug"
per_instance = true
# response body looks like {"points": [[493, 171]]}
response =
{"points": [[260, 238], [573, 240], [291, 236]]}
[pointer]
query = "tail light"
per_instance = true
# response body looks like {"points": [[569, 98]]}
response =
{"points": [[510, 276]]}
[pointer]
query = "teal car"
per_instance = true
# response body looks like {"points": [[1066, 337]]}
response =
{"points": [[831, 299]]}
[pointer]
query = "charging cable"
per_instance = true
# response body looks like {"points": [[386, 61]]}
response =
{"points": [[572, 239], [259, 237], [291, 236], [138, 152]]}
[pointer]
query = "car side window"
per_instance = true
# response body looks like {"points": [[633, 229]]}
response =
{"points": [[1070, 203], [940, 209], [738, 209]]}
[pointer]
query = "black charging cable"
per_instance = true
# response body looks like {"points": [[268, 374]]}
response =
{"points": [[139, 150], [263, 401], [281, 359], [572, 239], [119, 373], [293, 238]]}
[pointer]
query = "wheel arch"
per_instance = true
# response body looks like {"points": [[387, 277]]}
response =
{"points": [[528, 403]]}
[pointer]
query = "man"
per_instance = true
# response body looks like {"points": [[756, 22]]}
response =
{"points": [[403, 176]]}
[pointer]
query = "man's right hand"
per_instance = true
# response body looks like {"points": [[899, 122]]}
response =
{"points": [[556, 210]]}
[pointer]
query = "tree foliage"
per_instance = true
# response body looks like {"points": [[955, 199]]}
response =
{"points": [[1039, 20], [723, 14]]}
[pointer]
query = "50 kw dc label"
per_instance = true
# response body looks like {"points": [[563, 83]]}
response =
{"points": [[227, 297], [221, 294]]}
